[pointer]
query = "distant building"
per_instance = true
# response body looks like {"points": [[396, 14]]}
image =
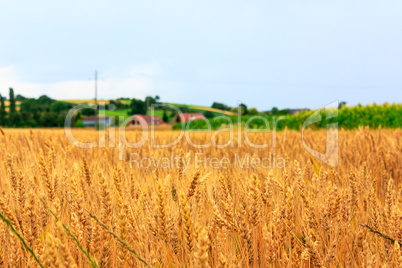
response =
{"points": [[89, 121], [147, 120], [185, 117]]}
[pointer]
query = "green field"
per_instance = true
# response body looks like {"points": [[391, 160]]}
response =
{"points": [[201, 109], [373, 116], [125, 113], [182, 107]]}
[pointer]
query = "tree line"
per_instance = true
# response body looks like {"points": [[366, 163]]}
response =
{"points": [[41, 112]]}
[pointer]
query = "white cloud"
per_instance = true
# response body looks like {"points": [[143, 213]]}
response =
{"points": [[135, 82]]}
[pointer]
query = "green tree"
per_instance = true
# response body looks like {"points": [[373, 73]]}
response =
{"points": [[48, 119], [27, 119], [45, 101], [138, 107], [165, 117], [12, 101], [220, 106], [149, 101], [14, 117], [3, 113], [88, 111], [209, 114], [60, 106], [342, 104], [178, 118], [119, 105], [243, 108], [20, 98], [61, 117], [253, 111], [79, 123]]}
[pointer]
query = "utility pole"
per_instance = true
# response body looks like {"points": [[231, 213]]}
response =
{"points": [[96, 100]]}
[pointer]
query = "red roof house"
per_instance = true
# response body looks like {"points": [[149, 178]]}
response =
{"points": [[185, 117], [141, 120]]}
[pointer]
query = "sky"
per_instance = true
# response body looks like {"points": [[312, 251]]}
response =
{"points": [[285, 54]]}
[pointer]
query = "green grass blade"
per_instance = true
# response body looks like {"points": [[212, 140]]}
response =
{"points": [[119, 239], [91, 262], [7, 221]]}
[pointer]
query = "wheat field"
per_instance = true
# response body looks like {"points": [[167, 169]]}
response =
{"points": [[74, 207]]}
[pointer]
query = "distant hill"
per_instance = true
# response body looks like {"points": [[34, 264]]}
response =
{"points": [[192, 108], [85, 101], [200, 109]]}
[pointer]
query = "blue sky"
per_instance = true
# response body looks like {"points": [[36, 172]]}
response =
{"points": [[265, 53]]}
